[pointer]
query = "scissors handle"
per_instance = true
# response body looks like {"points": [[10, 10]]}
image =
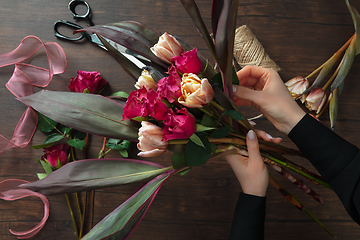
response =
{"points": [[73, 4], [70, 25]]}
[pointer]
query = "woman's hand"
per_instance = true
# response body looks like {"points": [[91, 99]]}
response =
{"points": [[263, 89]]}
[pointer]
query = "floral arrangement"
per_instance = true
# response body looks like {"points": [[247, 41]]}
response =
{"points": [[313, 97], [181, 104]]}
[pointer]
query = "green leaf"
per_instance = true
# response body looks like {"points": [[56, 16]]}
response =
{"points": [[235, 79], [90, 113], [217, 80], [196, 155], [123, 153], [333, 106], [65, 129], [78, 134], [195, 138], [53, 138], [47, 167], [120, 94], [41, 175], [121, 222], [76, 143], [221, 132], [234, 114], [356, 19], [202, 128], [208, 121], [182, 173], [178, 160], [45, 124], [84, 175]]}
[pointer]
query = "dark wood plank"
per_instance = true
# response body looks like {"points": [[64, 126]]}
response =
{"points": [[298, 35]]}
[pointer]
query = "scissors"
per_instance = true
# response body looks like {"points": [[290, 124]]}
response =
{"points": [[91, 37]]}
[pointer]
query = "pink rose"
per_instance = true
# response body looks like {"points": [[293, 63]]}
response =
{"points": [[56, 156], [90, 82], [195, 92], [137, 105], [158, 108], [170, 87], [151, 142], [167, 48], [143, 103], [188, 62], [178, 126]]}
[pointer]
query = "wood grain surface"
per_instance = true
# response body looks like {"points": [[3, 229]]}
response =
{"points": [[298, 35]]}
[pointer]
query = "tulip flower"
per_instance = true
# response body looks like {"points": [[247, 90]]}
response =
{"points": [[146, 80], [315, 100], [195, 92], [297, 86], [151, 142], [188, 62], [89, 82], [166, 48], [56, 156], [178, 126]]}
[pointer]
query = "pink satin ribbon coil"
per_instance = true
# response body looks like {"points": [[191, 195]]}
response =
{"points": [[26, 76], [10, 191]]}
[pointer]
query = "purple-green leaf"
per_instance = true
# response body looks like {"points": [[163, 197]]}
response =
{"points": [[346, 64], [120, 223], [133, 70], [89, 113], [356, 19], [224, 42], [194, 13], [84, 175], [132, 35]]}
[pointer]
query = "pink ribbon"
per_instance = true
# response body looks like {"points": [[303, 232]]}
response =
{"points": [[26, 76], [10, 191]]}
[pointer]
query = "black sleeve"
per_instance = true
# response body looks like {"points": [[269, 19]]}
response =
{"points": [[337, 160], [249, 218]]}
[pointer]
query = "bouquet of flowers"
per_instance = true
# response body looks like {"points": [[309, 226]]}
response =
{"points": [[181, 104]]}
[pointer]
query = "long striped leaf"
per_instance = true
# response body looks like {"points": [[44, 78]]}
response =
{"points": [[120, 223], [92, 174], [132, 35], [356, 19], [89, 113]]}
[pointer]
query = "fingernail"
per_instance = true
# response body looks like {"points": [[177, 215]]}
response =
{"points": [[269, 136], [234, 88], [252, 123], [251, 135]]}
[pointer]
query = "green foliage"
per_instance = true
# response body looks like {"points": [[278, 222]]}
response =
{"points": [[234, 114], [197, 155], [221, 132], [76, 143], [178, 160], [45, 124], [120, 94], [123, 146], [208, 121]]}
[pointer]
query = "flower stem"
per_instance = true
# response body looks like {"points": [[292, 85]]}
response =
{"points": [[72, 216]]}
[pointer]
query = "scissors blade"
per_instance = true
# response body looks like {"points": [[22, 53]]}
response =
{"points": [[120, 48]]}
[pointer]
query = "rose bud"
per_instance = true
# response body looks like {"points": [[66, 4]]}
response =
{"points": [[56, 156], [315, 100], [146, 80], [195, 92], [167, 48], [150, 140], [178, 126], [89, 82], [188, 62], [297, 86]]}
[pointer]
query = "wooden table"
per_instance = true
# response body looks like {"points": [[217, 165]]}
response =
{"points": [[298, 35]]}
